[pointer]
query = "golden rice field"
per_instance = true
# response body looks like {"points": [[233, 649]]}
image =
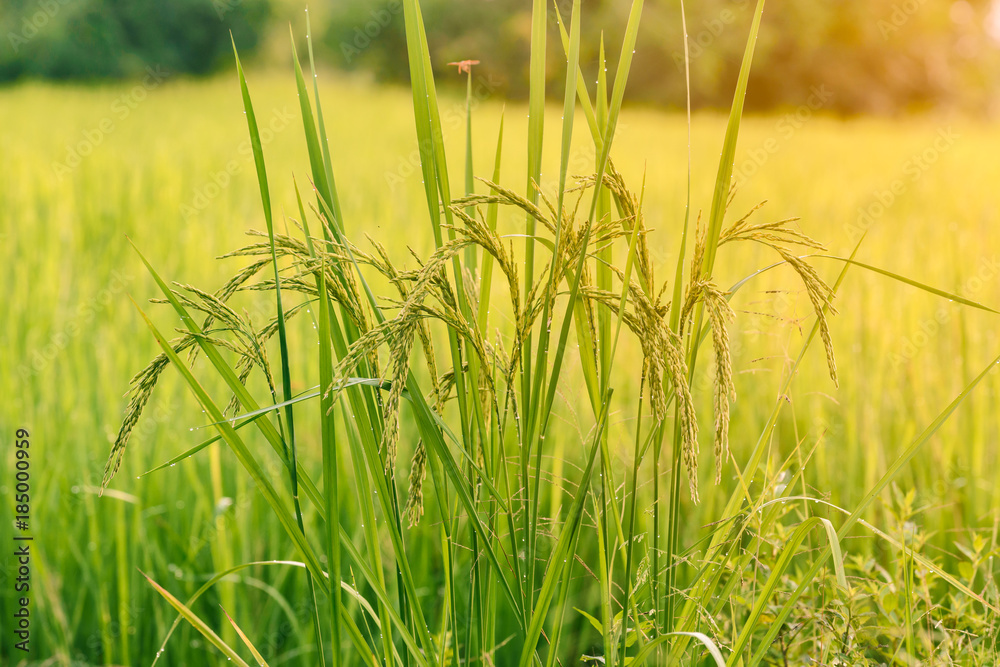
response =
{"points": [[167, 163]]}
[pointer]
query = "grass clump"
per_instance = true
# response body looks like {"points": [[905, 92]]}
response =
{"points": [[483, 520]]}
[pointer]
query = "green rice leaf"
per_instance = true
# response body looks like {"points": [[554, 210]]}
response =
{"points": [[286, 381], [913, 283], [197, 623], [721, 195], [492, 211], [246, 640]]}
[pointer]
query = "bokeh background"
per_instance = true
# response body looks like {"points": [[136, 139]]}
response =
{"points": [[882, 56]]}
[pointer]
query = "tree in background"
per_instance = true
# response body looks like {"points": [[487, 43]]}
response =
{"points": [[870, 55], [73, 39], [881, 56]]}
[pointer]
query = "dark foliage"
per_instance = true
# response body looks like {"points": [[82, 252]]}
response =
{"points": [[75, 39]]}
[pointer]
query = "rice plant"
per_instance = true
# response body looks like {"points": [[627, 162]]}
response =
{"points": [[453, 520]]}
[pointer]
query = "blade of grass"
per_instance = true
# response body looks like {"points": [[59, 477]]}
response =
{"points": [[364, 403], [366, 409], [332, 198], [618, 94], [197, 448], [675, 308], [536, 127], [569, 100], [246, 640], [331, 340], [664, 612], [492, 211], [788, 552], [557, 564], [913, 283], [328, 438], [197, 623], [583, 94], [716, 216], [290, 452], [720, 196], [436, 183], [385, 487], [614, 346], [647, 651], [365, 406], [313, 146], [470, 255]]}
